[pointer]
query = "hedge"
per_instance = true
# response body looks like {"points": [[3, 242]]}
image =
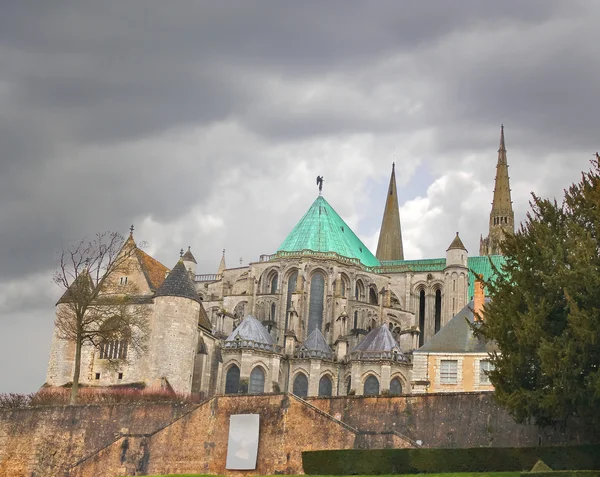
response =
{"points": [[476, 459], [563, 473]]}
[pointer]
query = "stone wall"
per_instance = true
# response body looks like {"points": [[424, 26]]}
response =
{"points": [[41, 441], [113, 440], [442, 420]]}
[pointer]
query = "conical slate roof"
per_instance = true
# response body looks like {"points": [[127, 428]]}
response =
{"points": [[188, 256], [457, 336], [316, 344], [323, 230], [178, 283], [377, 340], [251, 329], [456, 244]]}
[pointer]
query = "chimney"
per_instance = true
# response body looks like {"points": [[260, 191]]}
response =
{"points": [[479, 299]]}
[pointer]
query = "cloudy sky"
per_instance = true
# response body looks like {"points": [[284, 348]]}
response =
{"points": [[206, 123]]}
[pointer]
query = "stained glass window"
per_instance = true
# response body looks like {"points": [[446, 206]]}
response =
{"points": [[395, 387], [300, 387], [257, 381], [232, 380], [315, 313], [371, 386], [325, 386]]}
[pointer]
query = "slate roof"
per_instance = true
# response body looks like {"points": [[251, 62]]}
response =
{"points": [[251, 329], [379, 344], [188, 256], [457, 336], [481, 266], [321, 229], [82, 283], [378, 339], [178, 283], [203, 320], [456, 244], [315, 346]]}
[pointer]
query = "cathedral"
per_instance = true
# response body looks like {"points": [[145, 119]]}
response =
{"points": [[321, 316]]}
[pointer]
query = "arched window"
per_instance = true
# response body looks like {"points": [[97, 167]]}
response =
{"points": [[422, 317], [274, 278], [232, 380], [325, 386], [273, 311], [291, 288], [315, 311], [348, 383], [240, 310], [355, 325], [438, 310], [300, 387], [395, 387], [344, 285], [359, 290], [116, 336], [257, 381], [372, 296], [371, 386]]}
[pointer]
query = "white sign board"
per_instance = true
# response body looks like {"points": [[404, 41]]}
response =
{"points": [[242, 447]]}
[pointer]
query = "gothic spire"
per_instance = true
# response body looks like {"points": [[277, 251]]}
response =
{"points": [[390, 236], [222, 265], [502, 217]]}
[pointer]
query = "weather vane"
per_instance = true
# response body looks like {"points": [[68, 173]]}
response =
{"points": [[320, 180]]}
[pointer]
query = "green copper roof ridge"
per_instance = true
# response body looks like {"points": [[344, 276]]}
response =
{"points": [[321, 229]]}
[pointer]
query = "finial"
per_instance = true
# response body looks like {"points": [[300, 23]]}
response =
{"points": [[189, 248], [393, 166], [320, 180], [223, 252], [87, 263], [181, 253], [457, 234], [240, 260], [131, 229]]}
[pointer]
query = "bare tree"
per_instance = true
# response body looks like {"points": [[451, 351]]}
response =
{"points": [[92, 309]]}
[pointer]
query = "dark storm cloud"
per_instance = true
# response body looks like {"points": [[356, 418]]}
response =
{"points": [[112, 112]]}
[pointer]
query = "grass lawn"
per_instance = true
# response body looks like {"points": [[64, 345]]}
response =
{"points": [[457, 474]]}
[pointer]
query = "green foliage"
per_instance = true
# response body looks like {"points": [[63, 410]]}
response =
{"points": [[545, 310], [477, 459]]}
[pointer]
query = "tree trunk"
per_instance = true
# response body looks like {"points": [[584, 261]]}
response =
{"points": [[75, 387]]}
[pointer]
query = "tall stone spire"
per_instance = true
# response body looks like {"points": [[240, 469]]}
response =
{"points": [[390, 236], [502, 217]]}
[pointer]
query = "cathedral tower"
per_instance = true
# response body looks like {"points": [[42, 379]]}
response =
{"points": [[502, 217], [389, 246]]}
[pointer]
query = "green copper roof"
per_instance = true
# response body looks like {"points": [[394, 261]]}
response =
{"points": [[422, 265], [482, 266], [323, 230]]}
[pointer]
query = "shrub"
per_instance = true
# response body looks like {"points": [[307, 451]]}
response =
{"points": [[477, 459]]}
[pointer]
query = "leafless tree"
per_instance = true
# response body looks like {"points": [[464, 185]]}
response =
{"points": [[92, 309]]}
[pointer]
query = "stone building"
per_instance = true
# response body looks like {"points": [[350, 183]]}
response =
{"points": [[320, 316]]}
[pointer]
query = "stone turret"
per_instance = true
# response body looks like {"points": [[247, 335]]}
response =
{"points": [[456, 279], [389, 246], [189, 262], [502, 216], [174, 330]]}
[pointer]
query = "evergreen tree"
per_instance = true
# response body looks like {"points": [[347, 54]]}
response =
{"points": [[545, 310]]}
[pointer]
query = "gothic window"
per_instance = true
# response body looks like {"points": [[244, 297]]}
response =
{"points": [[240, 310], [395, 387], [116, 339], [485, 365], [274, 283], [359, 290], [257, 381], [372, 296], [315, 311], [348, 383], [291, 288], [448, 371], [232, 380], [325, 386], [355, 325], [438, 310], [422, 317], [300, 387], [371, 386], [344, 285], [273, 311]]}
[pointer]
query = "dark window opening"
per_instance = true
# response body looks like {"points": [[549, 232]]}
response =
{"points": [[372, 296], [257, 381], [422, 317], [325, 386], [315, 311], [371, 386], [291, 288], [232, 380], [395, 387], [438, 310], [97, 375], [300, 387], [120, 376], [274, 283], [114, 349]]}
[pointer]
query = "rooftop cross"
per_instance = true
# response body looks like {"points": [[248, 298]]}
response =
{"points": [[181, 253], [131, 229]]}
